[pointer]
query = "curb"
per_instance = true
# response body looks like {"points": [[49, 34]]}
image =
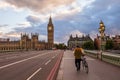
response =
{"points": [[60, 72], [53, 73]]}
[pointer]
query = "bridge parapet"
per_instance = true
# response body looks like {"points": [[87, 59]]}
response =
{"points": [[113, 59]]}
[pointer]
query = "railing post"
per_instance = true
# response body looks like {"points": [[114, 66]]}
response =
{"points": [[101, 55]]}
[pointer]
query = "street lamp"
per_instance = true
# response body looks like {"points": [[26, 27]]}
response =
{"points": [[101, 30]]}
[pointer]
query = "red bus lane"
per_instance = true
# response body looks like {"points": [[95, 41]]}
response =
{"points": [[54, 70]]}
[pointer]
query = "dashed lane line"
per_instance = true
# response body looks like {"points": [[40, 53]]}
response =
{"points": [[34, 74], [47, 62]]}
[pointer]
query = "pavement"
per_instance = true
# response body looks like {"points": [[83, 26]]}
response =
{"points": [[98, 70]]}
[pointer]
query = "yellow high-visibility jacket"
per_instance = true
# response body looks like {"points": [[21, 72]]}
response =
{"points": [[78, 52]]}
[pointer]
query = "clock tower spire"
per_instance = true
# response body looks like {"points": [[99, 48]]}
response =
{"points": [[50, 29], [50, 21]]}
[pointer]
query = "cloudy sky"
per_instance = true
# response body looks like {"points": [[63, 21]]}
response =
{"points": [[69, 17]]}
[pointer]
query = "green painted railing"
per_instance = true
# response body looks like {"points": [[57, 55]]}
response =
{"points": [[113, 59], [91, 54]]}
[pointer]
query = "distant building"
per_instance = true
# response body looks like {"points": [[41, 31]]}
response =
{"points": [[27, 43], [74, 41], [116, 41], [97, 41]]}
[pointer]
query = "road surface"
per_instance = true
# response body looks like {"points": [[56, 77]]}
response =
{"points": [[31, 65]]}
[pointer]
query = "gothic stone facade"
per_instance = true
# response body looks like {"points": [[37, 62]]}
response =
{"points": [[116, 41], [74, 41], [27, 43]]}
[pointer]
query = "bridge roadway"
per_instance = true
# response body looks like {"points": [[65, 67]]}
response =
{"points": [[98, 70], [31, 65]]}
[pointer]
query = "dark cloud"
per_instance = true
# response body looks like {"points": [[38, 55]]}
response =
{"points": [[107, 10], [34, 21], [88, 20], [41, 29]]}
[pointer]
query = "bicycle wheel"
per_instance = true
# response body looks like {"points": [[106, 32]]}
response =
{"points": [[83, 65], [86, 68]]}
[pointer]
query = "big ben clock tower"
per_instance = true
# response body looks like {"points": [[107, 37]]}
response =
{"points": [[50, 30]]}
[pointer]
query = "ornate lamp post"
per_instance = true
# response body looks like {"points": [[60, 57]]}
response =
{"points": [[102, 36]]}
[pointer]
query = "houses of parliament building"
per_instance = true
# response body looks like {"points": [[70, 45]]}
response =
{"points": [[27, 43]]}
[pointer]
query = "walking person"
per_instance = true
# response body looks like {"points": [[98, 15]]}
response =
{"points": [[78, 52]]}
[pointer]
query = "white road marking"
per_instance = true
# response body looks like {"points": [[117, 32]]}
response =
{"points": [[21, 61], [34, 74], [47, 62]]}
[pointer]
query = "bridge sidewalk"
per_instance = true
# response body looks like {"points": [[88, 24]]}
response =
{"points": [[98, 70]]}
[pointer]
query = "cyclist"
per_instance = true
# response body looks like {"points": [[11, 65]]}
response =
{"points": [[78, 52]]}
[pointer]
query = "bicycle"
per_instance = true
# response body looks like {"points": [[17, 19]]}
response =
{"points": [[85, 65]]}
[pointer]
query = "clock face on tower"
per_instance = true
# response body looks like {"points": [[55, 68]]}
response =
{"points": [[50, 28]]}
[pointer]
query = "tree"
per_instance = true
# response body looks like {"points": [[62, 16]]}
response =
{"points": [[109, 44], [88, 45], [61, 46]]}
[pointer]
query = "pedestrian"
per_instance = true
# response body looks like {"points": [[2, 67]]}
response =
{"points": [[78, 52]]}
